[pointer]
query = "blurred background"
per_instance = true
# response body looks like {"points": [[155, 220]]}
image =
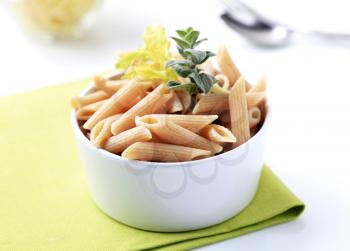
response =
{"points": [[308, 85]]}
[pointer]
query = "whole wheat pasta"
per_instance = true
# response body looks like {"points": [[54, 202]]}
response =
{"points": [[260, 86], [151, 151], [102, 130], [185, 99], [147, 120], [254, 116], [218, 89], [86, 112], [227, 65], [218, 103], [152, 102], [218, 134], [81, 101], [175, 104], [115, 85], [118, 103], [117, 144], [223, 81], [116, 75], [194, 123], [96, 130], [112, 86], [172, 133], [239, 112], [254, 98], [211, 103], [100, 84]]}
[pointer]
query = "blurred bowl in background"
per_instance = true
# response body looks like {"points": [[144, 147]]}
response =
{"points": [[56, 19]]}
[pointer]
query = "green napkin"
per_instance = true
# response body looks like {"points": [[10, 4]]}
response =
{"points": [[45, 204]]}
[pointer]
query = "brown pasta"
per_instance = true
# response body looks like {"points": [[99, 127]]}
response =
{"points": [[239, 112], [117, 144], [152, 151], [227, 65], [152, 102], [121, 101], [172, 133], [146, 120]]}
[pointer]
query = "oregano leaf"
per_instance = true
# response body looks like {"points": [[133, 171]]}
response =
{"points": [[190, 87], [192, 37], [182, 43], [181, 33]]}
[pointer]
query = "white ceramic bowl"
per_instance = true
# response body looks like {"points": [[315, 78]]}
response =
{"points": [[171, 197]]}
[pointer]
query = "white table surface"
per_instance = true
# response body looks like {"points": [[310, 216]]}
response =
{"points": [[309, 141]]}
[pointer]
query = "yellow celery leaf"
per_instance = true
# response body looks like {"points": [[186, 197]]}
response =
{"points": [[148, 62]]}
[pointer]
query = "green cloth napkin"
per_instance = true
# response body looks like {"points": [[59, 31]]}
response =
{"points": [[45, 203]]}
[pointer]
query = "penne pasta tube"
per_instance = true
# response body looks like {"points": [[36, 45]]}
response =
{"points": [[100, 84], [102, 130], [260, 86], [81, 101], [151, 151], [194, 123], [116, 75], [172, 133], [117, 144], [112, 86], [149, 104], [227, 65], [211, 104], [118, 103], [254, 116], [217, 89], [218, 134], [254, 98], [86, 112], [223, 81], [218, 103], [115, 85], [186, 100], [239, 112], [175, 104]]}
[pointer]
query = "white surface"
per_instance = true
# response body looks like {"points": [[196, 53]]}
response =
{"points": [[309, 141], [171, 195]]}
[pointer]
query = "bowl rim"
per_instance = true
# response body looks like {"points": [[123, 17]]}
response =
{"points": [[117, 157]]}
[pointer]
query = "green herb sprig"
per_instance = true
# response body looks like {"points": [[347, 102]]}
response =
{"points": [[188, 67]]}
